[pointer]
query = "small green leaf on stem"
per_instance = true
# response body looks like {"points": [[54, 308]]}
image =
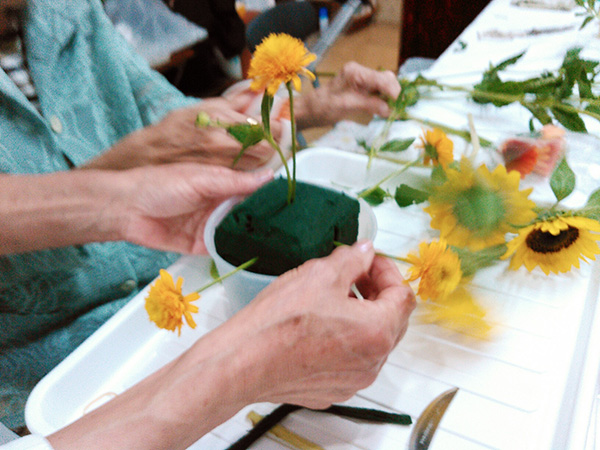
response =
{"points": [[397, 145], [406, 195], [375, 196], [562, 180]]}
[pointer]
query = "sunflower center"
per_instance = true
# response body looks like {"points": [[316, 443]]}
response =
{"points": [[479, 210], [545, 242]]}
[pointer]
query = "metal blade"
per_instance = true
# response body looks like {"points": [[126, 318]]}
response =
{"points": [[428, 421], [335, 28]]}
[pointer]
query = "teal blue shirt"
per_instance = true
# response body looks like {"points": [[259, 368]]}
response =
{"points": [[93, 91]]}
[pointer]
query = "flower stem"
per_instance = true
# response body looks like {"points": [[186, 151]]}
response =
{"points": [[368, 191], [288, 85], [385, 255], [228, 274]]}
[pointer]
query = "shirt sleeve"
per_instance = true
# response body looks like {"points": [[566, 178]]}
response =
{"points": [[31, 442]]}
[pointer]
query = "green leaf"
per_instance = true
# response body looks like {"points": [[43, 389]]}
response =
{"points": [[247, 134], [539, 112], [265, 112], [472, 261], [587, 20], [508, 62], [374, 197], [406, 195], [362, 143], [592, 207], [570, 120], [397, 145], [562, 180], [214, 272], [438, 174]]}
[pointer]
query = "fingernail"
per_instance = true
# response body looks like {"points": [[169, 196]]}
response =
{"points": [[364, 246]]}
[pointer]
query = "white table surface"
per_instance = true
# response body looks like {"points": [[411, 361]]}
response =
{"points": [[531, 385]]}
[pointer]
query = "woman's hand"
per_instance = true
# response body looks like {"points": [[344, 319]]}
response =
{"points": [[167, 206], [355, 90], [176, 138], [318, 343], [163, 207], [304, 340]]}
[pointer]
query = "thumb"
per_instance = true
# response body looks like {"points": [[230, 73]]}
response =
{"points": [[353, 261], [234, 182]]}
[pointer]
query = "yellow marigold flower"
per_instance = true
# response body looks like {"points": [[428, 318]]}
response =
{"points": [[475, 209], [279, 58], [438, 148], [438, 268], [555, 244], [167, 306]]}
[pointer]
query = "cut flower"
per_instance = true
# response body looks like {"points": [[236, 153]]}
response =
{"points": [[438, 269], [476, 208], [438, 148], [279, 58], [555, 244], [167, 306]]}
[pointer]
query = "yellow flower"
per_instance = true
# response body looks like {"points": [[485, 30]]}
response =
{"points": [[555, 244], [167, 306], [438, 268], [475, 209], [279, 58], [438, 148], [459, 312]]}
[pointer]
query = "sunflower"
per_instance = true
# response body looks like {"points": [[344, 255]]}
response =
{"points": [[476, 208], [167, 306], [438, 148], [555, 244], [438, 268], [279, 58]]}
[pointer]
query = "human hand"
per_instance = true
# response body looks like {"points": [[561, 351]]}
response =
{"points": [[356, 89], [315, 342], [176, 138], [167, 206], [304, 340]]}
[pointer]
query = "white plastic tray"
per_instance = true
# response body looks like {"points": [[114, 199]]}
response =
{"points": [[519, 390]]}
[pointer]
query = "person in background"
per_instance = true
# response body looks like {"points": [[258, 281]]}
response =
{"points": [[81, 113], [204, 74]]}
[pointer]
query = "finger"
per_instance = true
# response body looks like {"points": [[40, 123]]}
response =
{"points": [[352, 262], [391, 292], [369, 104], [255, 156], [371, 80], [226, 182]]}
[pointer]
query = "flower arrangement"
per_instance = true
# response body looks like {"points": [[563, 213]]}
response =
{"points": [[279, 59], [483, 217], [263, 228]]}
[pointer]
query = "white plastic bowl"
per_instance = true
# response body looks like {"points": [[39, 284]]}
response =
{"points": [[244, 285]]}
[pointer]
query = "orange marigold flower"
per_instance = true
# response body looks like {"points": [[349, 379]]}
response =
{"points": [[279, 58], [167, 306]]}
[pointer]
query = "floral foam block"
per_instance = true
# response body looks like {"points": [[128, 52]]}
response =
{"points": [[282, 235]]}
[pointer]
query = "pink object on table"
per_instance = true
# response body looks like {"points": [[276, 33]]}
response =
{"points": [[534, 154]]}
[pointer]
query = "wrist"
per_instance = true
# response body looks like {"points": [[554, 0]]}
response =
{"points": [[134, 150]]}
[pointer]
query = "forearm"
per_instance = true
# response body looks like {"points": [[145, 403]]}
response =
{"points": [[59, 209], [177, 405]]}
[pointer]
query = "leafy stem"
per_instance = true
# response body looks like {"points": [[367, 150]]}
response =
{"points": [[394, 174]]}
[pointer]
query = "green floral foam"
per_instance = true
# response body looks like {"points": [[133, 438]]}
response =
{"points": [[284, 236]]}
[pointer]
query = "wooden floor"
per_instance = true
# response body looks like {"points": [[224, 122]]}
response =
{"points": [[376, 46]]}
